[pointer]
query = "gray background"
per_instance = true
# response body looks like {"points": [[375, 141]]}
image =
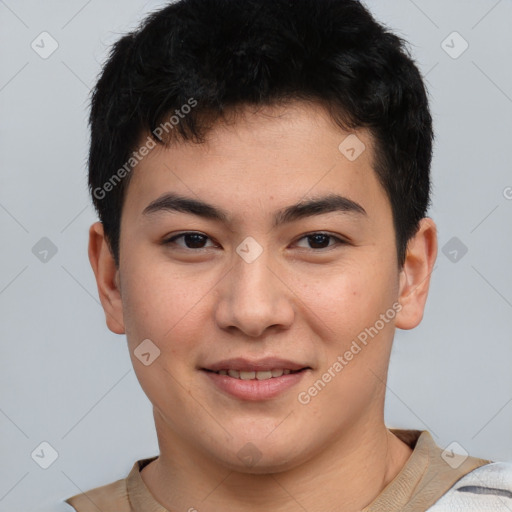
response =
{"points": [[65, 379]]}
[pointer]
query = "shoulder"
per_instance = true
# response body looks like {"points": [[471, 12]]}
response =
{"points": [[488, 487], [115, 496], [112, 496]]}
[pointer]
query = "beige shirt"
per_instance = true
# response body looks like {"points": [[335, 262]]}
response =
{"points": [[425, 477]]}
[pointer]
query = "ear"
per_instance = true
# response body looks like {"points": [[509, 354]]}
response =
{"points": [[415, 274], [107, 278]]}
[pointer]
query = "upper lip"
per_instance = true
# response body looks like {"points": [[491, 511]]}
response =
{"points": [[243, 364]]}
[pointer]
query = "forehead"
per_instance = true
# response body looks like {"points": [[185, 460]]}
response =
{"points": [[273, 155]]}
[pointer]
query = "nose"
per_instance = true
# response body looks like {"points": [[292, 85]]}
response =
{"points": [[253, 297]]}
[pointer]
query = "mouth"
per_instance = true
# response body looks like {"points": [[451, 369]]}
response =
{"points": [[274, 373], [255, 380]]}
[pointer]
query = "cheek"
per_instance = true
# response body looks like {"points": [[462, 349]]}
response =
{"points": [[162, 304], [158, 299], [351, 298], [356, 343]]}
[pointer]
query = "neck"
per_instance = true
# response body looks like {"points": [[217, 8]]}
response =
{"points": [[348, 475]]}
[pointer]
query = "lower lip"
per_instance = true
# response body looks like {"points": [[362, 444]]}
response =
{"points": [[255, 389]]}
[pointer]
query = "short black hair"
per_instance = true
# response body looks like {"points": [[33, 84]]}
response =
{"points": [[194, 61]]}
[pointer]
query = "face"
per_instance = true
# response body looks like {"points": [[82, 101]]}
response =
{"points": [[270, 297]]}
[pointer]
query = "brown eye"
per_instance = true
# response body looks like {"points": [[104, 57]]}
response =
{"points": [[191, 240], [321, 240]]}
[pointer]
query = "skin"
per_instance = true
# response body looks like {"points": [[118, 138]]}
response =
{"points": [[203, 303]]}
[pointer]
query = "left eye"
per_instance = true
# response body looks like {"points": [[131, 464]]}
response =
{"points": [[197, 240], [192, 240], [317, 239]]}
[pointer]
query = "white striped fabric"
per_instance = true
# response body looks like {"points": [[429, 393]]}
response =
{"points": [[485, 489]]}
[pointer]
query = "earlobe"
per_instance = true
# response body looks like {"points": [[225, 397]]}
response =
{"points": [[107, 278], [415, 274]]}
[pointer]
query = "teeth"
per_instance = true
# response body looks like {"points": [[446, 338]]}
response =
{"points": [[264, 375], [261, 375]]}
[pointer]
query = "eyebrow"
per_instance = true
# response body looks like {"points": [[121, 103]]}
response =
{"points": [[171, 202]]}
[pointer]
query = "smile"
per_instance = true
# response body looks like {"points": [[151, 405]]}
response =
{"points": [[255, 385], [257, 375]]}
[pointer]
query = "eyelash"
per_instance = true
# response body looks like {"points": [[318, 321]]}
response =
{"points": [[339, 241]]}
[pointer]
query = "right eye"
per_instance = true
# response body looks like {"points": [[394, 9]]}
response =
{"points": [[192, 240]]}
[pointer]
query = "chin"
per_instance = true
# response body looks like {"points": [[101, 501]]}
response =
{"points": [[265, 465], [260, 456]]}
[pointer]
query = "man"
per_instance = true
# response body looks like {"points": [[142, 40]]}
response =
{"points": [[262, 175]]}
